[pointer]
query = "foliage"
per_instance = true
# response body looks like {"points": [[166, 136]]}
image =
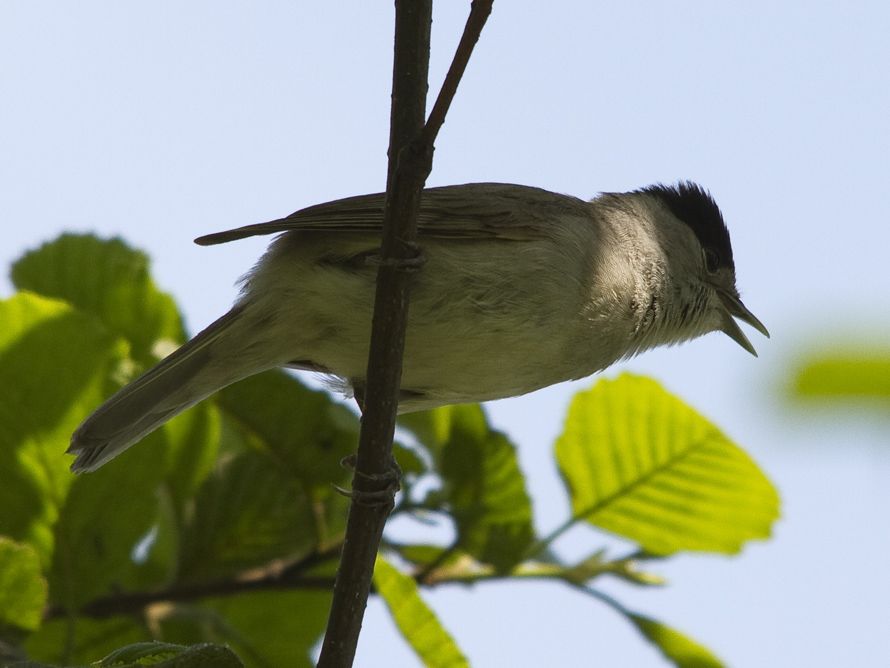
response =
{"points": [[224, 526], [847, 373], [433, 644], [642, 464]]}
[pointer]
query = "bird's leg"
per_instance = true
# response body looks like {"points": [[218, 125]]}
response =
{"points": [[388, 483]]}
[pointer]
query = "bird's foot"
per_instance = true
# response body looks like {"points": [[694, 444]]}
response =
{"points": [[383, 486]]}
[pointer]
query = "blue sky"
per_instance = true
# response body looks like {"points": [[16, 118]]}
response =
{"points": [[161, 121]]}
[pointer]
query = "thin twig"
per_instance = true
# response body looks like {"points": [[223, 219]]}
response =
{"points": [[131, 603], [274, 576], [479, 13]]}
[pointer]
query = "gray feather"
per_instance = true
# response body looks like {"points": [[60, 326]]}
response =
{"points": [[162, 392], [469, 211]]}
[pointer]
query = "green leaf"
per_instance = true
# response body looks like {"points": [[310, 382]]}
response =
{"points": [[104, 516], [81, 641], [420, 555], [186, 448], [166, 655], [682, 650], [272, 494], [419, 626], [191, 443], [109, 279], [299, 619], [484, 488], [304, 430], [55, 365], [859, 373], [267, 629], [108, 512], [642, 464], [409, 461], [23, 589], [245, 514]]}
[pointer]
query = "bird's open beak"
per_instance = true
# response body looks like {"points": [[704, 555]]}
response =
{"points": [[736, 309]]}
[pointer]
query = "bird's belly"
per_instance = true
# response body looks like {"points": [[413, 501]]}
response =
{"points": [[485, 321], [487, 345]]}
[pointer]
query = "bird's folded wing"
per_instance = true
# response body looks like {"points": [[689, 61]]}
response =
{"points": [[470, 211]]}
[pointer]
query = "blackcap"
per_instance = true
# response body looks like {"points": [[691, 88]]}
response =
{"points": [[521, 288]]}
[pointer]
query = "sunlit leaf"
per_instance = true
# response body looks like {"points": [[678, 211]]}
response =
{"points": [[855, 374], [419, 625], [421, 554], [680, 649], [642, 464], [55, 365], [22, 587], [110, 280], [484, 489]]}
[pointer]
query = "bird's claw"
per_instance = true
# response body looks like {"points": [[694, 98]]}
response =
{"points": [[387, 484]]}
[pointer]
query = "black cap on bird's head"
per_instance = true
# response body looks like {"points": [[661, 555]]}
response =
{"points": [[694, 206]]}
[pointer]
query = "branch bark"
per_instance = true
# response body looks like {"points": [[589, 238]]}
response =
{"points": [[276, 575], [410, 161], [406, 175]]}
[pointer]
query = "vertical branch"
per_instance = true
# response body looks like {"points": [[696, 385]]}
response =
{"points": [[410, 161], [364, 526]]}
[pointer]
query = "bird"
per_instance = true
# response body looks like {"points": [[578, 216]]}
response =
{"points": [[520, 288]]}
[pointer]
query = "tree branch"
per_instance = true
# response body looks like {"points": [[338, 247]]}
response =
{"points": [[132, 603], [405, 178], [479, 13], [273, 576], [410, 162]]}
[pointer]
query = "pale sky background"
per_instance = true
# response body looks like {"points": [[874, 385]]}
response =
{"points": [[161, 121]]}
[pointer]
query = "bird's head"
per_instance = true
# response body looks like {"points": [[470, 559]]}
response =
{"points": [[698, 253]]}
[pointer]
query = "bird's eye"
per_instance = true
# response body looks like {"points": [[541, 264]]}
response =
{"points": [[712, 260]]}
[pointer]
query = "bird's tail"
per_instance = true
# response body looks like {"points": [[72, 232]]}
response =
{"points": [[202, 366]]}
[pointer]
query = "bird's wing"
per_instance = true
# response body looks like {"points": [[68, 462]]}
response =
{"points": [[470, 211]]}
